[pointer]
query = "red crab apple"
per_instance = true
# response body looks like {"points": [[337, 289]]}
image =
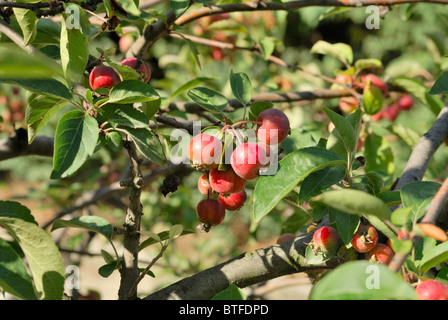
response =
{"points": [[432, 290], [233, 201], [405, 102], [103, 77], [348, 104], [144, 70], [374, 80], [381, 254], [204, 185], [391, 112], [247, 159], [326, 240], [205, 151], [210, 212], [274, 126], [365, 238], [226, 181]]}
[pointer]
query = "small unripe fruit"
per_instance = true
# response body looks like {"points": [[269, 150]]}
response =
{"points": [[103, 77], [227, 181], [204, 185], [144, 70], [247, 159], [348, 104], [374, 80], [326, 240], [285, 237], [205, 152], [377, 116], [233, 201], [432, 290], [275, 126], [365, 238], [405, 102], [391, 112], [210, 212], [381, 254]]}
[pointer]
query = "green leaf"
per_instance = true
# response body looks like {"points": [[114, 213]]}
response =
{"points": [[91, 223], [27, 21], [147, 143], [14, 277], [257, 107], [128, 116], [418, 195], [208, 99], [189, 84], [419, 90], [74, 48], [372, 99], [367, 64], [354, 202], [175, 231], [295, 167], [179, 6], [434, 257], [42, 255], [232, 292], [14, 209], [346, 224], [106, 270], [76, 138], [132, 91], [378, 154], [47, 87], [400, 216], [241, 87], [125, 72], [320, 180], [346, 131], [267, 46], [18, 64], [39, 111], [193, 49], [391, 198], [164, 235], [341, 51], [441, 84], [361, 280]]}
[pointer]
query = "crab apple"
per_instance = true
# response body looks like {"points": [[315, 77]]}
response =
{"points": [[210, 212], [432, 290], [103, 77], [326, 240], [274, 126], [226, 181], [285, 237], [348, 104], [233, 201], [125, 42], [365, 238], [247, 159], [374, 80], [343, 78], [377, 116], [144, 70], [381, 254], [405, 102], [204, 185], [391, 112], [205, 151]]}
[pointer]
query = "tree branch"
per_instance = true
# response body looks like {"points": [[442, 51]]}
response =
{"points": [[18, 146], [424, 150], [247, 269], [160, 29]]}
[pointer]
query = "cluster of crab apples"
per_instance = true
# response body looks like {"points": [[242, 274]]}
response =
{"points": [[224, 182], [365, 245], [400, 102], [104, 76]]}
